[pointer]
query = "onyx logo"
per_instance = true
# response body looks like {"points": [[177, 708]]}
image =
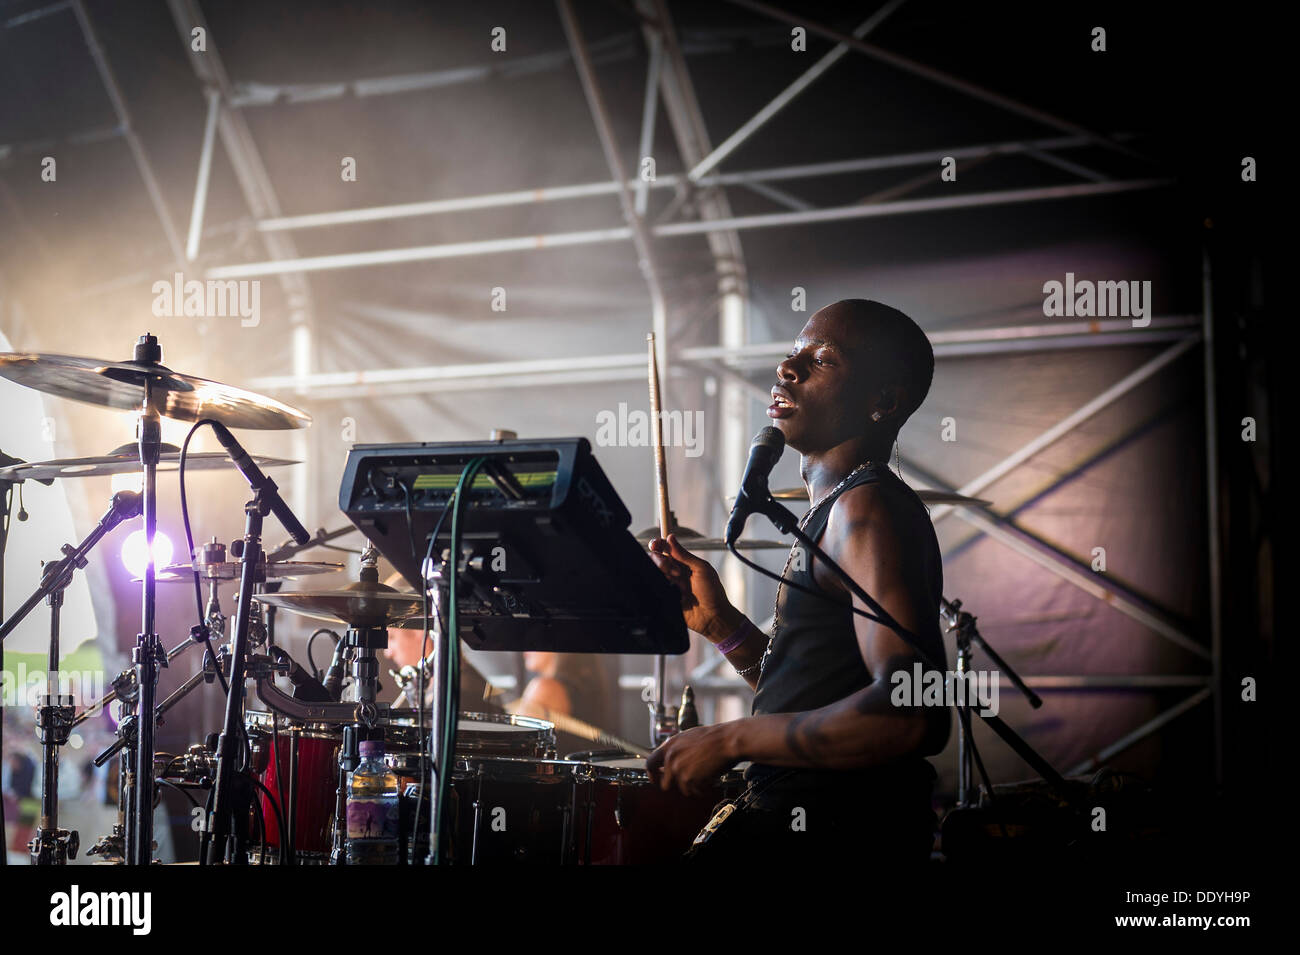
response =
{"points": [[594, 501]]}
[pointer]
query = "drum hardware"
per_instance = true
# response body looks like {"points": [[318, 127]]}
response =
{"points": [[406, 678], [694, 541], [143, 383], [52, 845], [172, 394], [125, 460], [963, 625], [227, 824]]}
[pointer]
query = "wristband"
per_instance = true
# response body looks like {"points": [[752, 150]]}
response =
{"points": [[736, 639]]}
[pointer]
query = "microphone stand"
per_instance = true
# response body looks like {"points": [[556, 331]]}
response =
{"points": [[963, 625], [785, 522], [227, 823]]}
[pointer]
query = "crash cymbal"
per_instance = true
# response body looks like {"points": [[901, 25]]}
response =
{"points": [[125, 460], [693, 540], [120, 384], [356, 605], [230, 570], [925, 494]]}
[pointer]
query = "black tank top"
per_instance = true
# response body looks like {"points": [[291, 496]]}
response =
{"points": [[814, 659]]}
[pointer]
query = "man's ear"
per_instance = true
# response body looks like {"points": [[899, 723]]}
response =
{"points": [[889, 400]]}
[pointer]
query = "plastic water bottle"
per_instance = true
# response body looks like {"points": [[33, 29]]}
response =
{"points": [[374, 809]]}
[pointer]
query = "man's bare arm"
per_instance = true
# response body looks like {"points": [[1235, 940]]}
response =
{"points": [[865, 728]]}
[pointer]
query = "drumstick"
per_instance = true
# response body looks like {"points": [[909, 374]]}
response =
{"points": [[562, 721], [665, 516], [576, 727], [661, 469]]}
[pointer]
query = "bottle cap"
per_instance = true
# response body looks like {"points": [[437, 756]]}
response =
{"points": [[372, 747]]}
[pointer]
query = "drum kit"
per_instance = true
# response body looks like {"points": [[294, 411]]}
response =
{"points": [[283, 783], [276, 780]]}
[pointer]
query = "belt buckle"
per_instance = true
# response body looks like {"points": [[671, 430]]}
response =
{"points": [[718, 819]]}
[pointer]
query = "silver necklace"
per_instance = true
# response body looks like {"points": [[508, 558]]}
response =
{"points": [[803, 523]]}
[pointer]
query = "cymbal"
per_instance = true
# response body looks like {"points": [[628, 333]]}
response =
{"points": [[125, 460], [693, 540], [230, 569], [120, 384], [358, 604], [926, 495]]}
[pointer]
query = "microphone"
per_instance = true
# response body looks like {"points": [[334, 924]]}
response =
{"points": [[260, 482], [333, 682], [765, 451]]}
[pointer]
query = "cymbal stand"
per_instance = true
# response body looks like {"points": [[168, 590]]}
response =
{"points": [[149, 654], [52, 845]]}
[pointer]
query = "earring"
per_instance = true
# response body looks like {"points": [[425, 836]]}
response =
{"points": [[876, 416]]}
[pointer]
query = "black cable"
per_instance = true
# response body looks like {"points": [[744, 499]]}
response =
{"points": [[316, 673], [180, 789], [261, 828], [189, 541], [963, 713], [800, 587], [206, 837], [275, 808]]}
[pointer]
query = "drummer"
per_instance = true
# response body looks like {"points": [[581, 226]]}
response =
{"points": [[569, 684], [580, 685]]}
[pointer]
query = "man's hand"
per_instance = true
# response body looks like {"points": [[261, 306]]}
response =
{"points": [[704, 602], [692, 761]]}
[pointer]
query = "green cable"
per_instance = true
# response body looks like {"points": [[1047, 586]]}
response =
{"points": [[451, 714]]}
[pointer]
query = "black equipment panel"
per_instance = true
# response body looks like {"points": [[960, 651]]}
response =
{"points": [[547, 561]]}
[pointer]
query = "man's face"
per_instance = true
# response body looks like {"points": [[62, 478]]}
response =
{"points": [[823, 396], [404, 646]]}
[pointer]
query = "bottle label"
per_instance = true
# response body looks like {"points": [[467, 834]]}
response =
{"points": [[373, 817]]}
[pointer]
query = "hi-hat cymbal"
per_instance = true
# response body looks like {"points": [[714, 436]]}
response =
{"points": [[121, 384], [356, 605], [927, 496], [693, 540], [230, 570], [125, 460]]}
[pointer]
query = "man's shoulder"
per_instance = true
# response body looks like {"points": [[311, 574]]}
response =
{"points": [[886, 499]]}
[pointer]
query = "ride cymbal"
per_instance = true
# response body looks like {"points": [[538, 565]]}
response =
{"points": [[358, 604], [693, 540], [125, 460], [230, 570], [121, 384]]}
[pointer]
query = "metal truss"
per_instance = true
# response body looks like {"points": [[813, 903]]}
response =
{"points": [[729, 360]]}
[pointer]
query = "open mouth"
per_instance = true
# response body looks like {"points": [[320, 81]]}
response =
{"points": [[781, 407]]}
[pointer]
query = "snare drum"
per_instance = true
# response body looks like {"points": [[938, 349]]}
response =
{"points": [[625, 819]]}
